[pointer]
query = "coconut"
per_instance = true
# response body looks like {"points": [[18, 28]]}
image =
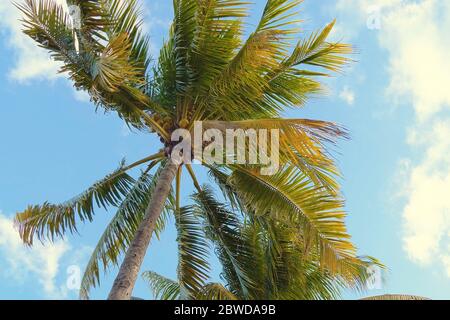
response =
{"points": [[184, 123]]}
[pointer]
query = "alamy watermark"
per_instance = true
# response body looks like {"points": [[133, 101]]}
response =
{"points": [[375, 278], [374, 18], [73, 281], [227, 146], [75, 14]]}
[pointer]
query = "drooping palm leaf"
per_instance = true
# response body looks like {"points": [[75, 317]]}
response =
{"points": [[286, 241], [216, 291], [92, 23], [301, 142], [162, 287], [114, 22], [49, 221], [289, 196], [193, 265], [222, 228]]}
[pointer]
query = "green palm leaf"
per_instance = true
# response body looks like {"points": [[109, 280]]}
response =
{"points": [[290, 196], [222, 228], [241, 83], [193, 265], [302, 143], [164, 81], [217, 36], [162, 287], [216, 291], [49, 221], [316, 51]]}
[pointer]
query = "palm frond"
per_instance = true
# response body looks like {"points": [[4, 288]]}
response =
{"points": [[125, 16], [294, 272], [49, 25], [113, 67], [291, 197], [93, 22], [216, 291], [277, 14], [220, 176], [302, 143], [49, 221], [103, 20], [112, 41], [316, 51], [293, 266], [193, 265], [163, 84], [222, 228], [217, 36], [242, 82], [162, 287], [183, 34], [313, 51]]}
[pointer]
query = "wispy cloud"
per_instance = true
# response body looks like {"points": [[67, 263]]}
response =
{"points": [[30, 62], [427, 211], [25, 264], [42, 267], [414, 34], [81, 96], [347, 95]]}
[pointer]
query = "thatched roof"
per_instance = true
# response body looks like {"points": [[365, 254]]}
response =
{"points": [[396, 297]]}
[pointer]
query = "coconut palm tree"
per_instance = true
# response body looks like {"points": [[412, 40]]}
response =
{"points": [[207, 71], [262, 259]]}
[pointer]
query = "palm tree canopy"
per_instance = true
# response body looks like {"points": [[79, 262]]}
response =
{"points": [[209, 71]]}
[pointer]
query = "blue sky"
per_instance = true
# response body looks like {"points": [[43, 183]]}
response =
{"points": [[394, 100]]}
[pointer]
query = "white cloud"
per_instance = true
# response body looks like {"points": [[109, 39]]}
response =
{"points": [[30, 62], [427, 211], [42, 262], [356, 15], [45, 263], [347, 95], [415, 37], [81, 96], [446, 261]]}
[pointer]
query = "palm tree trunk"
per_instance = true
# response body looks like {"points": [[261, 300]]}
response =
{"points": [[129, 270]]}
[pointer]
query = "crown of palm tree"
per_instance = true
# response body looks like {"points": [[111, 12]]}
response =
{"points": [[207, 71]]}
